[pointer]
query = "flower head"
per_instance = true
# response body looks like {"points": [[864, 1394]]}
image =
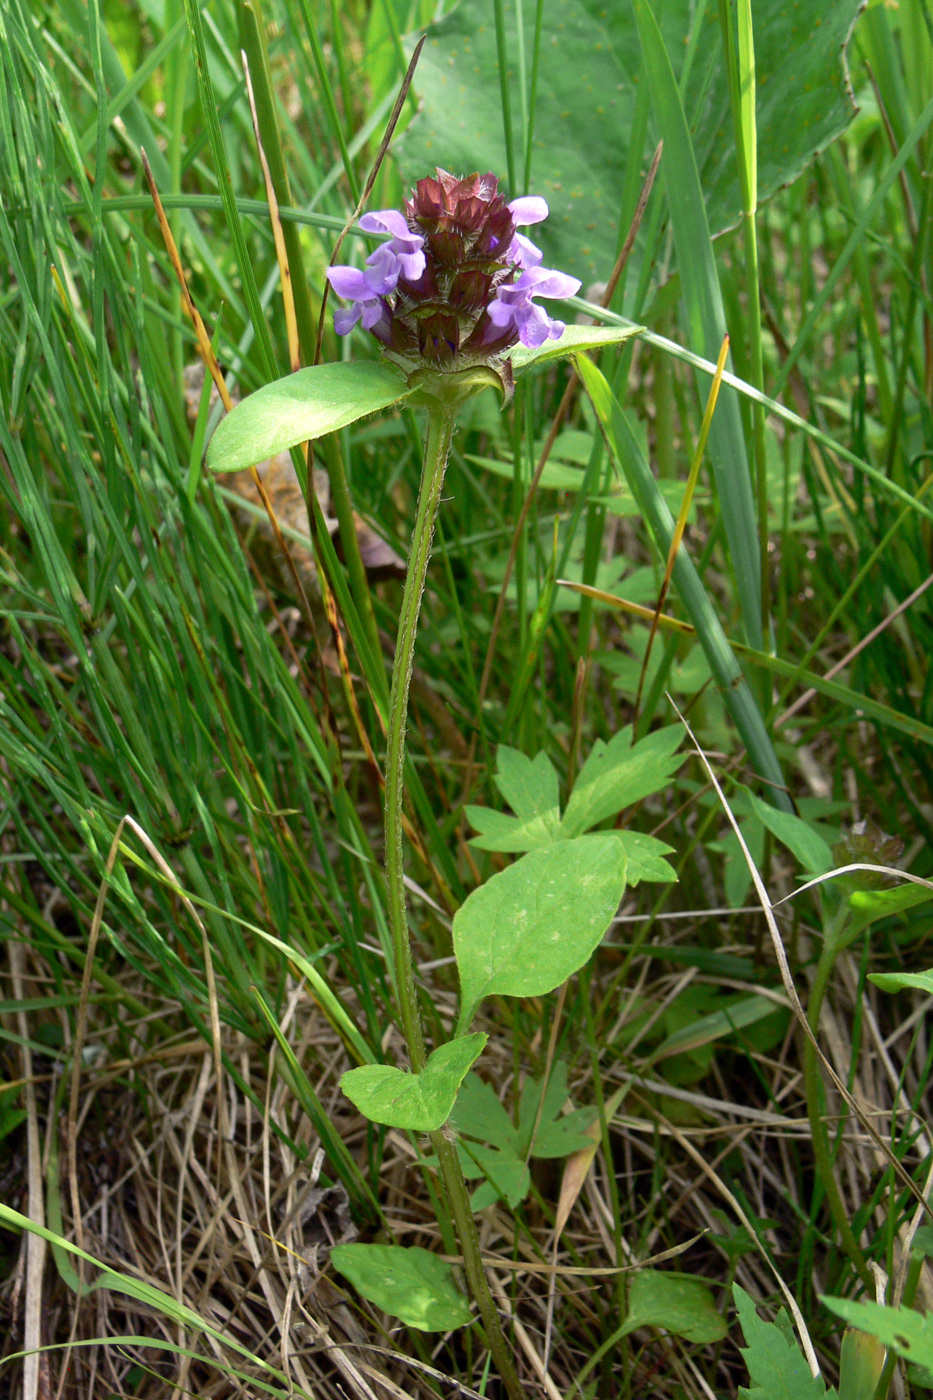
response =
{"points": [[453, 285]]}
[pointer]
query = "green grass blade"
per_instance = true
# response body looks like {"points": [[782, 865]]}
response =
{"points": [[726, 670], [706, 319]]}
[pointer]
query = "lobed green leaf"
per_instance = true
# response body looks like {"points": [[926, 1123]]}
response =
{"points": [[618, 774]]}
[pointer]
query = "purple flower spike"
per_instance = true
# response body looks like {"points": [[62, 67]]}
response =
{"points": [[514, 309], [453, 285]]}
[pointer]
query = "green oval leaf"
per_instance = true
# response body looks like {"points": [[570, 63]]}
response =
{"points": [[679, 1303], [302, 406], [530, 926], [410, 1284], [417, 1102]]}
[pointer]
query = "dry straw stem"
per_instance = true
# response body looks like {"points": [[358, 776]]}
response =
{"points": [[281, 255], [35, 1364], [370, 182]]}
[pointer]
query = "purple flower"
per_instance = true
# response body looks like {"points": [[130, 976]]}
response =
{"points": [[402, 256], [530, 209], [453, 285], [352, 285], [513, 309]]}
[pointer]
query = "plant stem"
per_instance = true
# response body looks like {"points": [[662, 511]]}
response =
{"points": [[437, 446], [821, 1153], [440, 429]]}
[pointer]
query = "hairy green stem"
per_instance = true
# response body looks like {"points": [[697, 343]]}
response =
{"points": [[440, 429], [811, 1075], [437, 446]]}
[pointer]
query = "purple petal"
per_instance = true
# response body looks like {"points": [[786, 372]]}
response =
{"points": [[349, 283], [499, 312], [387, 221], [542, 282], [382, 270], [413, 265], [523, 252], [372, 313], [345, 318], [534, 329], [529, 209]]}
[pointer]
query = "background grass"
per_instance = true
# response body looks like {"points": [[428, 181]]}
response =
{"points": [[148, 670]]}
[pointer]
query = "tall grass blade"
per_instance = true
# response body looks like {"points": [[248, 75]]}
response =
{"points": [[735, 689], [706, 319]]}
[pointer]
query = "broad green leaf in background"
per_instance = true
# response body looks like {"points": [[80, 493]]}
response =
{"points": [[590, 62], [777, 1367], [506, 1176], [904, 1330], [618, 774], [411, 1284], [550, 1133], [479, 1114], [704, 314], [677, 1302], [301, 407], [529, 927], [417, 1102]]}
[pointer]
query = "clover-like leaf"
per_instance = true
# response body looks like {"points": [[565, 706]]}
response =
{"points": [[411, 1284], [301, 407], [530, 926], [645, 858], [417, 1102], [620, 773], [530, 787]]}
